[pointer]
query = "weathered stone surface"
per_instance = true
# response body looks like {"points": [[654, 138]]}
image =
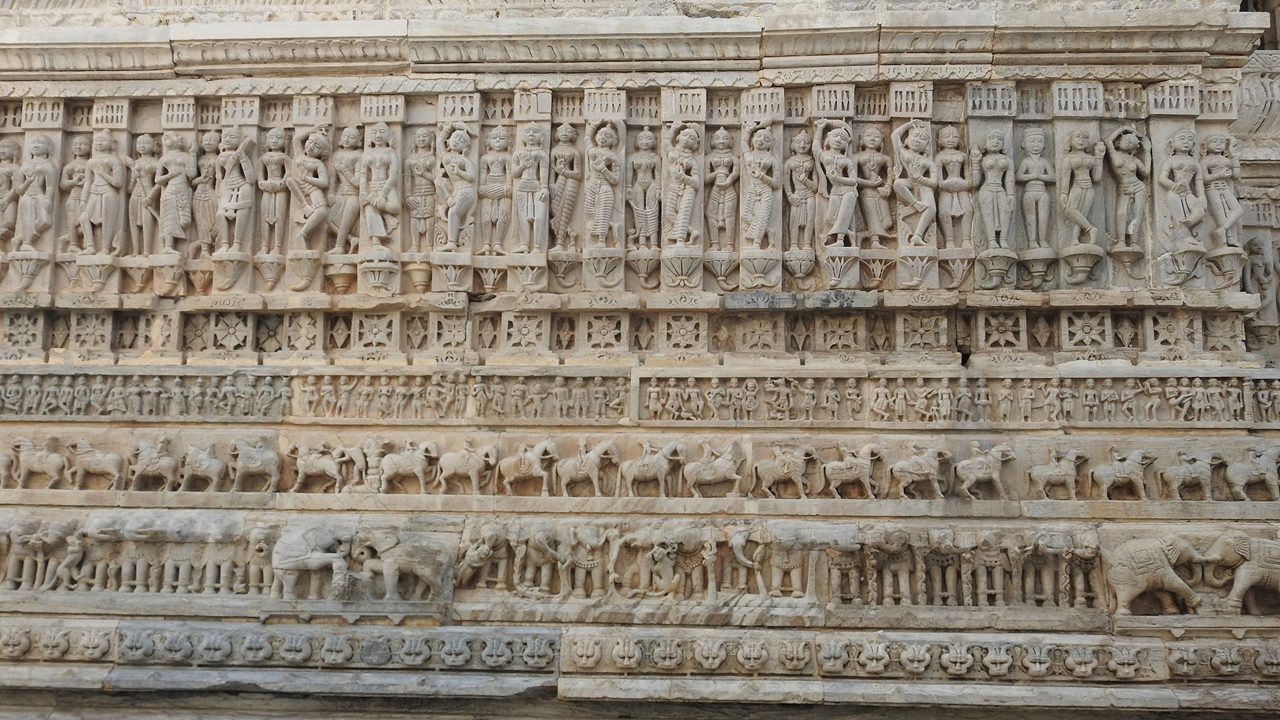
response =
{"points": [[916, 358]]}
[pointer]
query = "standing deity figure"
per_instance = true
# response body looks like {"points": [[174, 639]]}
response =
{"points": [[274, 168], [873, 187], [143, 189], [420, 171], [10, 150], [309, 182], [380, 185], [1183, 183], [1081, 170], [459, 181], [495, 193], [603, 175], [1220, 171], [35, 185], [236, 174], [345, 206], [528, 193], [993, 173], [955, 199], [801, 190], [566, 181], [1130, 156], [646, 191], [722, 196], [102, 211], [72, 184], [682, 184], [1035, 172], [915, 177], [837, 182], [204, 198], [760, 182], [173, 177]]}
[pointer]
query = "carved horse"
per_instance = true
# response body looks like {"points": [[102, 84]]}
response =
{"points": [[202, 465], [1130, 469], [32, 459], [464, 465], [855, 467], [659, 467], [416, 461], [581, 469], [713, 469], [254, 461], [1196, 469], [1261, 467], [925, 466], [529, 464], [316, 462], [91, 461], [984, 467], [787, 465], [1062, 469], [153, 461]]}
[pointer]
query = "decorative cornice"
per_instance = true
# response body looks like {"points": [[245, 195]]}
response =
{"points": [[950, 45]]}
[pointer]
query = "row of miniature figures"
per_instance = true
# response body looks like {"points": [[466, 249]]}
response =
{"points": [[729, 562], [598, 468], [458, 394], [524, 196]]}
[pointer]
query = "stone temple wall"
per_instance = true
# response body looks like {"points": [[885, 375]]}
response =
{"points": [[898, 359]]}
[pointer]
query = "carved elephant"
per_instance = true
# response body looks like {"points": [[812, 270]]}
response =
{"points": [[312, 550], [381, 551], [788, 548], [1147, 565], [1255, 562]]}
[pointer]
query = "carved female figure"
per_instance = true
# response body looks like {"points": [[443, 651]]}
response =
{"points": [[460, 177], [380, 185], [1220, 169], [602, 177], [173, 177], [873, 188], [915, 177], [236, 174], [309, 181], [72, 184], [420, 170], [103, 206], [1035, 172], [531, 198], [566, 179], [838, 182], [9, 169], [274, 166], [645, 191], [345, 209], [682, 183], [495, 193], [142, 191], [204, 200], [994, 170], [1080, 171], [36, 183], [1184, 187], [722, 197], [1130, 156], [955, 202], [801, 190], [761, 182]]}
